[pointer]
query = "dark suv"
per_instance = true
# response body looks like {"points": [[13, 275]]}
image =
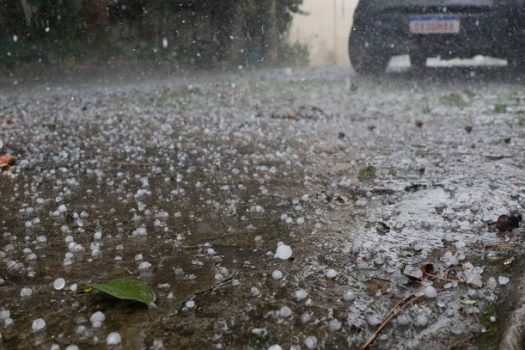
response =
{"points": [[430, 28]]}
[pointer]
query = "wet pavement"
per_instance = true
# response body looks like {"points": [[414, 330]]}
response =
{"points": [[385, 189]]}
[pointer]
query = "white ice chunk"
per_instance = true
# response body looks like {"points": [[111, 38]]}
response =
{"points": [[59, 283], [277, 275], [97, 318], [283, 251], [310, 342], [331, 273], [301, 294], [113, 338], [38, 325], [502, 280]]}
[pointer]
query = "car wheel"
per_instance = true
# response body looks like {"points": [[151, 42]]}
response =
{"points": [[365, 58], [418, 61]]}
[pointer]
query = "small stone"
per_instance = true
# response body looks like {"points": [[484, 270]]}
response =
{"points": [[113, 338], [38, 325], [275, 347]]}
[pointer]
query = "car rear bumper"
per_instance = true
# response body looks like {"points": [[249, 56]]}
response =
{"points": [[494, 32]]}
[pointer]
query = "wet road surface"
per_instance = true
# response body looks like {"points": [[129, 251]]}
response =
{"points": [[385, 189]]}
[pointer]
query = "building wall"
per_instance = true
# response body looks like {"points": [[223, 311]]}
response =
{"points": [[324, 29]]}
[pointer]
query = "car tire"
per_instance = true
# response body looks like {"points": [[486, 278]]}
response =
{"points": [[418, 61], [366, 59]]}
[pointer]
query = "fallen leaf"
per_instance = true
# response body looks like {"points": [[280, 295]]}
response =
{"points": [[127, 289], [428, 269], [7, 160], [377, 285]]}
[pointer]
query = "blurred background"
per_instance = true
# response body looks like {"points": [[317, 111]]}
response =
{"points": [[203, 33], [324, 30]]}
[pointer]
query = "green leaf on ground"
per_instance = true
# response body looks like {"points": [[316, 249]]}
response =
{"points": [[127, 289], [500, 108], [368, 173], [454, 100]]}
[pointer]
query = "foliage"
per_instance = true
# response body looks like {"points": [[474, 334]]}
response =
{"points": [[198, 31], [367, 173], [127, 289], [293, 54]]}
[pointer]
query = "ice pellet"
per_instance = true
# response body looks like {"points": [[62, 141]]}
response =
{"points": [[334, 325], [331, 273], [430, 292], [348, 295], [301, 294], [59, 283], [283, 251], [26, 292], [284, 312], [310, 342], [113, 338], [502, 280], [97, 318], [38, 325], [145, 266], [277, 275]]}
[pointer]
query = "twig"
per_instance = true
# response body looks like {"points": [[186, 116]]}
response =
{"points": [[207, 290], [502, 245], [393, 313], [445, 278]]}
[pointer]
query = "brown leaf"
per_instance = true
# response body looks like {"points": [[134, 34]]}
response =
{"points": [[7, 160], [428, 269]]}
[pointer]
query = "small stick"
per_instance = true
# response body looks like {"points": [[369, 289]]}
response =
{"points": [[436, 277], [207, 290], [393, 313]]}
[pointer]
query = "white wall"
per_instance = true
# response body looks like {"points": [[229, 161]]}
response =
{"points": [[324, 29]]}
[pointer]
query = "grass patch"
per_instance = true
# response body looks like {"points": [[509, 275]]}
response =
{"points": [[454, 100], [368, 173], [500, 108]]}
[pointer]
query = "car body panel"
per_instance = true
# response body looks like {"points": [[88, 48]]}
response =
{"points": [[489, 27]]}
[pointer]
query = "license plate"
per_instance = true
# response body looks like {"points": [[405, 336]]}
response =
{"points": [[434, 24]]}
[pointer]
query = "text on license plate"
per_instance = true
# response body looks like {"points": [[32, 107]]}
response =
{"points": [[434, 24]]}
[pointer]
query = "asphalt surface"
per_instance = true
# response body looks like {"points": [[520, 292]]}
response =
{"points": [[386, 190]]}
